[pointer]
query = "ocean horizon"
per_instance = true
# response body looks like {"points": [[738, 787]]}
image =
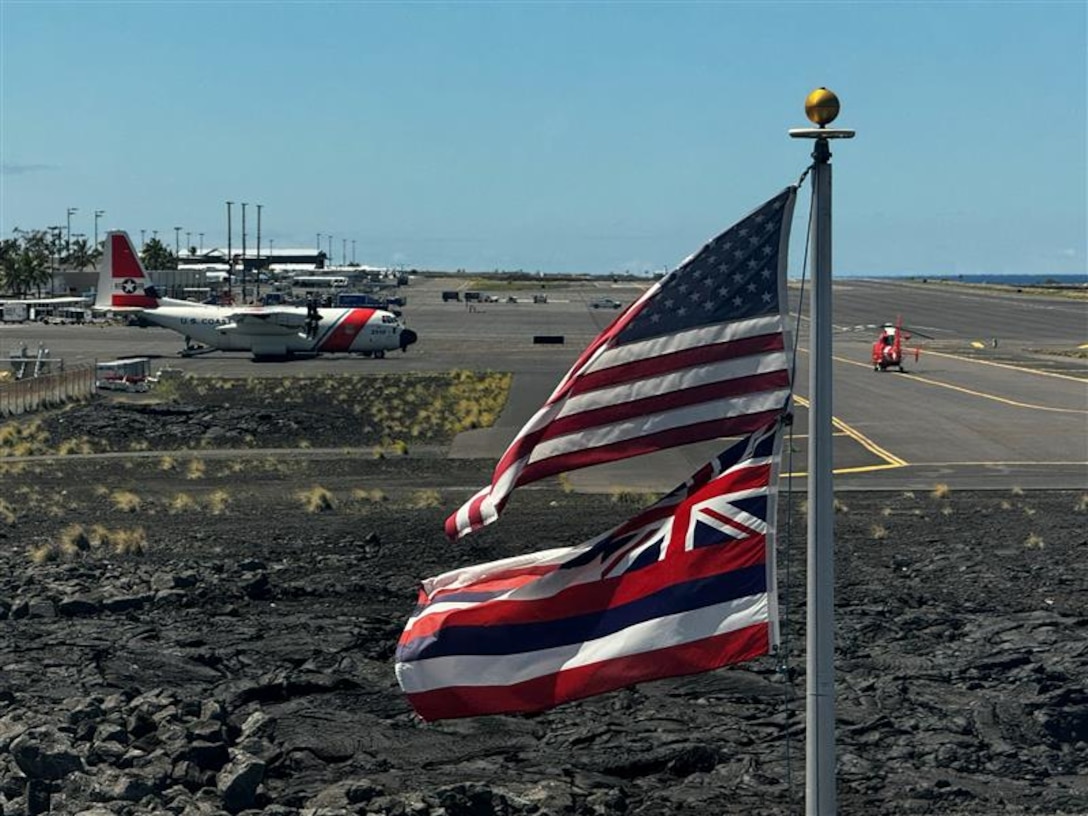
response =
{"points": [[1005, 280]]}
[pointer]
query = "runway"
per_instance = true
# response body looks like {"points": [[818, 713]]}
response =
{"points": [[986, 405]]}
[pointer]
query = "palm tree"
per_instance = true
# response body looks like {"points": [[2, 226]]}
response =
{"points": [[30, 266], [155, 255], [9, 259], [80, 256]]}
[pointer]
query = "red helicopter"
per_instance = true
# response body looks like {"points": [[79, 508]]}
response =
{"points": [[889, 346]]}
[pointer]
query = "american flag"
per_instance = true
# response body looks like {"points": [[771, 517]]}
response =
{"points": [[702, 354], [685, 586]]}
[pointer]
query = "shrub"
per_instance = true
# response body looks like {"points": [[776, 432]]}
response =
{"points": [[218, 502], [317, 500], [126, 501]]}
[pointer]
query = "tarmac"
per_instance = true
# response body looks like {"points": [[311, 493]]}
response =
{"points": [[997, 399]]}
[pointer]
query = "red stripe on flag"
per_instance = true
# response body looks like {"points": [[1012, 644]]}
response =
{"points": [[683, 398], [585, 681], [593, 596], [686, 435], [678, 361]]}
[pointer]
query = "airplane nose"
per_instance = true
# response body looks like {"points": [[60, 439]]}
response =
{"points": [[407, 337]]}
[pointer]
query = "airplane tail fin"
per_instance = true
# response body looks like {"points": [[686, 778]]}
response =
{"points": [[123, 284]]}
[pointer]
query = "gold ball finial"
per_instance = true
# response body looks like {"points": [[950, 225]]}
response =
{"points": [[821, 107]]}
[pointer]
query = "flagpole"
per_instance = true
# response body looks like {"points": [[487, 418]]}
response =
{"points": [[821, 107]]}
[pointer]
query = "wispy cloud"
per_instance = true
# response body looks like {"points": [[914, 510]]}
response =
{"points": [[14, 169]]}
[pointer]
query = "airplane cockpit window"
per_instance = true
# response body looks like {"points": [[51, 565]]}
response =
{"points": [[389, 319]]}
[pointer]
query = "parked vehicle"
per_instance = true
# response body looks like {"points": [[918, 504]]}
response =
{"points": [[451, 295], [604, 303]]}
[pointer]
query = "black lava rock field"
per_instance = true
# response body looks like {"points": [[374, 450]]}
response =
{"points": [[212, 631]]}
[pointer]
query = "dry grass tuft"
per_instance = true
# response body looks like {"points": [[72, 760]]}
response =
{"points": [[422, 499], [73, 541], [879, 532], [195, 469], [41, 553], [1017, 490], [941, 491], [840, 507], [317, 500], [218, 502], [72, 446], [1034, 542], [126, 501], [947, 510], [375, 495], [168, 463], [7, 512], [181, 503], [129, 542], [1082, 503]]}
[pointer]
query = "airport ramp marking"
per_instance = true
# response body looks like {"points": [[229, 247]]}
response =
{"points": [[1004, 365], [1014, 403], [890, 459]]}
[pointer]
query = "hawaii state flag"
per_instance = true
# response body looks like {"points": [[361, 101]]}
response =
{"points": [[701, 355], [685, 586]]}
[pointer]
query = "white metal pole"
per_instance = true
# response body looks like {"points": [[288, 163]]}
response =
{"points": [[820, 640], [822, 107]]}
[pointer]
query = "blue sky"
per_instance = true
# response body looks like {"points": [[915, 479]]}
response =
{"points": [[561, 137]]}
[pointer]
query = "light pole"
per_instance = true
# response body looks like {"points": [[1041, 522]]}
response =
{"points": [[68, 241], [244, 205], [259, 265], [201, 242], [319, 242], [97, 214], [230, 250], [330, 248], [188, 241], [344, 252], [353, 252], [177, 243], [143, 238]]}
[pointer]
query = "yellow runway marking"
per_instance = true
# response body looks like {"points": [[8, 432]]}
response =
{"points": [[982, 394], [890, 459], [1009, 366]]}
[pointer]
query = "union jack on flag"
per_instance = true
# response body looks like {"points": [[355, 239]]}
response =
{"points": [[700, 355], [685, 586]]}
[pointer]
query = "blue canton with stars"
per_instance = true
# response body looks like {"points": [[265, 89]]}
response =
{"points": [[733, 277]]}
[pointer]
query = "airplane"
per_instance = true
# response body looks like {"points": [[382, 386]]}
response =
{"points": [[267, 332], [888, 348]]}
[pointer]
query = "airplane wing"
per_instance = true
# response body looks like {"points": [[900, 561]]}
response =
{"points": [[266, 322]]}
